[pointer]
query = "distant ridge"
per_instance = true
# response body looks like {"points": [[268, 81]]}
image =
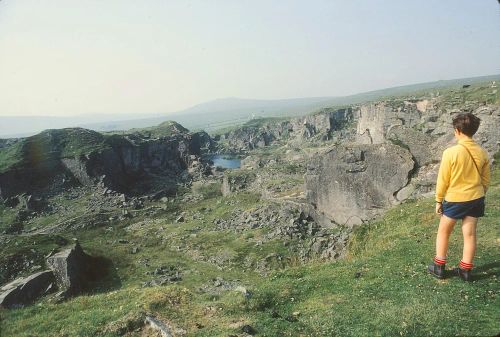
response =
{"points": [[221, 112]]}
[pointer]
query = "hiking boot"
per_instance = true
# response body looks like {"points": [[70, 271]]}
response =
{"points": [[464, 274], [436, 270]]}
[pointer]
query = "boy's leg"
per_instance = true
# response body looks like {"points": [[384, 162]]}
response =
{"points": [[445, 228], [469, 231]]}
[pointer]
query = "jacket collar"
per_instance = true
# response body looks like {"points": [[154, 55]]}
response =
{"points": [[466, 141]]}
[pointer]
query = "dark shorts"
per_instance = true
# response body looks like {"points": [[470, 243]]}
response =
{"points": [[459, 210]]}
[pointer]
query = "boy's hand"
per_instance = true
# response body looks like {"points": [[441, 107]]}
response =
{"points": [[439, 208]]}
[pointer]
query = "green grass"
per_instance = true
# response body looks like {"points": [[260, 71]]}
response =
{"points": [[164, 129], [50, 144], [10, 156], [482, 93], [7, 217], [393, 295], [380, 289], [253, 123], [260, 122], [72, 142]]}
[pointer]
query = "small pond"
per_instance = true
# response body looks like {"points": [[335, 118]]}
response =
{"points": [[227, 161]]}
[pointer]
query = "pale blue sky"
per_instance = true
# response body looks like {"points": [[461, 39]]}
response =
{"points": [[71, 57]]}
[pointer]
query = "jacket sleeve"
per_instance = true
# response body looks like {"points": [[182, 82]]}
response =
{"points": [[485, 174], [444, 175]]}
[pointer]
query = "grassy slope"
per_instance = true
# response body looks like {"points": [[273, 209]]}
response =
{"points": [[455, 96], [72, 142], [392, 296], [253, 123], [62, 143], [164, 129], [10, 156]]}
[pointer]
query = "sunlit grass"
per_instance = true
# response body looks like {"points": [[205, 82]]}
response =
{"points": [[381, 288]]}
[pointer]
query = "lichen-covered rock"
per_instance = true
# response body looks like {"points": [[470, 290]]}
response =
{"points": [[26, 290], [351, 184]]}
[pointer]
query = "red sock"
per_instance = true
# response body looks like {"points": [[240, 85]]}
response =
{"points": [[465, 266], [439, 261]]}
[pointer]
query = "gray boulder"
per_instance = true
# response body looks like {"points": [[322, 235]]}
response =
{"points": [[421, 145], [71, 269], [234, 181], [26, 290], [374, 119], [352, 184], [488, 135]]}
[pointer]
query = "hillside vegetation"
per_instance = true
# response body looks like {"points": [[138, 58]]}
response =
{"points": [[253, 251], [380, 289], [72, 142], [61, 143]]}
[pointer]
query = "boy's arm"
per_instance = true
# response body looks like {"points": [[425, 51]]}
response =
{"points": [[485, 174], [443, 180]]}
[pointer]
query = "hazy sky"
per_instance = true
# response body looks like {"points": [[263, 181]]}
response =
{"points": [[70, 57]]}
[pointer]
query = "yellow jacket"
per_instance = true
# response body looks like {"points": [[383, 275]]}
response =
{"points": [[459, 179]]}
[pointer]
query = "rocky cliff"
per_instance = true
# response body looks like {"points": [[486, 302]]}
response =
{"points": [[395, 156], [55, 159], [263, 132], [354, 183]]}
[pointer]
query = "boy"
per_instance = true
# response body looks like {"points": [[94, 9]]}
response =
{"points": [[464, 176]]}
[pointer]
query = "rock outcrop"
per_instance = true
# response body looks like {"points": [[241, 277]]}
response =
{"points": [[352, 184], [424, 127], [26, 290], [162, 328], [56, 159], [260, 133], [71, 272], [425, 124], [423, 147], [71, 268], [236, 181], [376, 118]]}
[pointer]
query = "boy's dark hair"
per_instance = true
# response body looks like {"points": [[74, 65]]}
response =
{"points": [[466, 123]]}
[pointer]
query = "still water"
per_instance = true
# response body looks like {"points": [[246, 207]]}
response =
{"points": [[225, 161]]}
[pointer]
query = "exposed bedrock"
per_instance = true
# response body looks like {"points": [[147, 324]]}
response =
{"points": [[129, 159], [71, 272], [424, 130], [26, 290], [354, 183], [375, 119], [423, 147], [322, 124], [419, 124], [118, 162], [71, 268]]}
